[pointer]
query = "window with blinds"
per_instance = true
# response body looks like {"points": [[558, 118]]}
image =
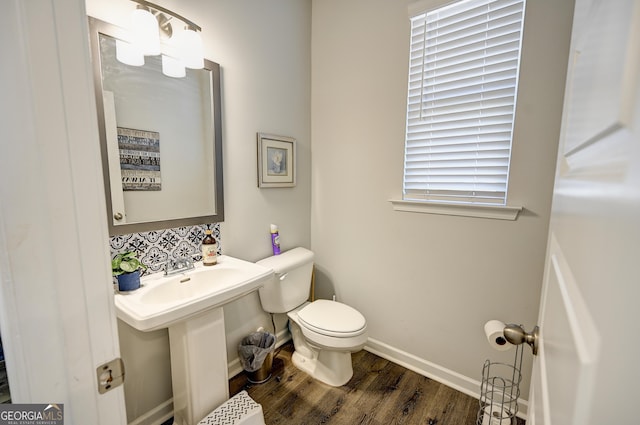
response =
{"points": [[463, 76]]}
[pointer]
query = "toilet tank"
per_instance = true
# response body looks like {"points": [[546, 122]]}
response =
{"points": [[291, 283]]}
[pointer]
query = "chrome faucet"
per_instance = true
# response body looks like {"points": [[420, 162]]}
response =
{"points": [[178, 266]]}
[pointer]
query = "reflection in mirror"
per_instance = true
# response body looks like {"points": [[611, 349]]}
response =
{"points": [[161, 139]]}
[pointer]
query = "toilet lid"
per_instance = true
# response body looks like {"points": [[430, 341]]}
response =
{"points": [[332, 318]]}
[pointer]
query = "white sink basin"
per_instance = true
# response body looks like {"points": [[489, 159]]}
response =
{"points": [[163, 301]]}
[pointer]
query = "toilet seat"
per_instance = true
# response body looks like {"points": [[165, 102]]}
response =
{"points": [[332, 318], [324, 334]]}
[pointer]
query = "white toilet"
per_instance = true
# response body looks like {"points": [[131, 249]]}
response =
{"points": [[324, 332]]}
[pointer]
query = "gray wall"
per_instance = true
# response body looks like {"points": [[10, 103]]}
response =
{"points": [[426, 283]]}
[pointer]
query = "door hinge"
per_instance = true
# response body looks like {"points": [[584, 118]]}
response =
{"points": [[110, 375]]}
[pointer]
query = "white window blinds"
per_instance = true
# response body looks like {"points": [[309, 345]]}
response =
{"points": [[463, 76]]}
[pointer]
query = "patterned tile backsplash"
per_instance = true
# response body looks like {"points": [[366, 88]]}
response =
{"points": [[155, 248]]}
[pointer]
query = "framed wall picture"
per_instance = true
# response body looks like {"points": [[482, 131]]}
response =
{"points": [[276, 161], [139, 159]]}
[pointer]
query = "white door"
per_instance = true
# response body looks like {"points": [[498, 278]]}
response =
{"points": [[587, 370], [56, 301]]}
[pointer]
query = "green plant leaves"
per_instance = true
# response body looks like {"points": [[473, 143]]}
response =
{"points": [[129, 265], [125, 262]]}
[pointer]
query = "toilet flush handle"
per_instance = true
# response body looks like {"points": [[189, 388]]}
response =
{"points": [[282, 276]]}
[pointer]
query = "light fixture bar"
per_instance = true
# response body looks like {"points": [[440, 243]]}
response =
{"points": [[154, 6]]}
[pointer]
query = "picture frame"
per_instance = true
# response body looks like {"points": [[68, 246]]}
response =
{"points": [[276, 161]]}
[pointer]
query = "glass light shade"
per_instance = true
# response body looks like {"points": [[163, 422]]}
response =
{"points": [[191, 49], [146, 33], [128, 54], [172, 67]]}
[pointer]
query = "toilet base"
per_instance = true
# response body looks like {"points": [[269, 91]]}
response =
{"points": [[331, 367]]}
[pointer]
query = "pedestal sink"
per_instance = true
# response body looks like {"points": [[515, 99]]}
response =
{"points": [[190, 306]]}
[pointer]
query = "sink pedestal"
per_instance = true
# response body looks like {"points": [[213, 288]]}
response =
{"points": [[190, 306], [199, 373]]}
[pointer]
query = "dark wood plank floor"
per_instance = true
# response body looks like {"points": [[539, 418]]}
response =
{"points": [[380, 393]]}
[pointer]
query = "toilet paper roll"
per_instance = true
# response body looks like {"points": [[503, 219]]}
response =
{"points": [[495, 417], [494, 330]]}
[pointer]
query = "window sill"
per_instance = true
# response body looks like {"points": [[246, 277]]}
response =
{"points": [[498, 212]]}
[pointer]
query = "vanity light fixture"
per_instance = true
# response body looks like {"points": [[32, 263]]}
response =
{"points": [[191, 49], [172, 67], [144, 28], [129, 53], [149, 24]]}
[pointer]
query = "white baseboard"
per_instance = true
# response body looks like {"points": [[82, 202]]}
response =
{"points": [[445, 376], [155, 416]]}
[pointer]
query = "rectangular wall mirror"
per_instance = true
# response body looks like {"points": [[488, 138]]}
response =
{"points": [[160, 139]]}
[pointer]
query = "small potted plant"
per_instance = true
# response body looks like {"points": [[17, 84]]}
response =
{"points": [[126, 268]]}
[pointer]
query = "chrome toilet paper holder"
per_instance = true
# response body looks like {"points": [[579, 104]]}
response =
{"points": [[500, 385], [499, 391]]}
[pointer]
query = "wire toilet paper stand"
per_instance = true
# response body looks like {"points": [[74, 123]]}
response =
{"points": [[499, 391]]}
